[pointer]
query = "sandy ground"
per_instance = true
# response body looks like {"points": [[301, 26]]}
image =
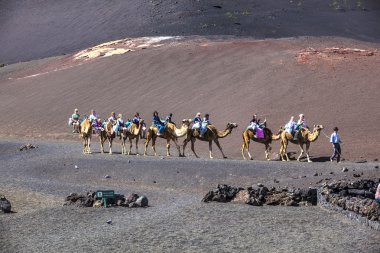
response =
{"points": [[229, 78], [36, 182]]}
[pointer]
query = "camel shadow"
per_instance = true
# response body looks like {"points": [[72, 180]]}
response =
{"points": [[321, 159]]}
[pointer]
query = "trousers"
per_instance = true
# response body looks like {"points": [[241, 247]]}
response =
{"points": [[337, 152]]}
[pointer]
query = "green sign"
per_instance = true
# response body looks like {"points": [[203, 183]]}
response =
{"points": [[105, 194]]}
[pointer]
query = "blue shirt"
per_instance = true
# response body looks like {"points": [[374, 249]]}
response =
{"points": [[157, 121], [335, 138], [197, 119], [136, 120]]}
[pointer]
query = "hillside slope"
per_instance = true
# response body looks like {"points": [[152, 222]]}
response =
{"points": [[230, 79], [34, 29]]}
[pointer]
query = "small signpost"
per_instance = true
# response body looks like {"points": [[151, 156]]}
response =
{"points": [[105, 194]]}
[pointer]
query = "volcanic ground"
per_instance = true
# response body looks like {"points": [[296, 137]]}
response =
{"points": [[230, 59]]}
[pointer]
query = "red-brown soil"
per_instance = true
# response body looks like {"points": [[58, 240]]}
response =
{"points": [[230, 79]]}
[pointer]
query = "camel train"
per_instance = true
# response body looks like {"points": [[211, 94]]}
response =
{"points": [[170, 132]]}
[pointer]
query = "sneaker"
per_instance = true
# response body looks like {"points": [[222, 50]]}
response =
{"points": [[331, 160]]}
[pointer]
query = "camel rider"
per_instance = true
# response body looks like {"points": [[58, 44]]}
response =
{"points": [[136, 119], [206, 121], [197, 121], [159, 123], [74, 121], [301, 123], [143, 131], [290, 126], [98, 125], [93, 117], [128, 123], [119, 124], [113, 118], [113, 121], [255, 123], [257, 127], [168, 119]]}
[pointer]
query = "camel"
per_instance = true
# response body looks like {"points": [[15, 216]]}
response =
{"points": [[212, 134], [107, 134], [85, 130], [249, 135], [171, 133], [133, 132], [304, 137]]}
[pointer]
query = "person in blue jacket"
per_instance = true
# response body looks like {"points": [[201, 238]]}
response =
{"points": [[159, 123]]}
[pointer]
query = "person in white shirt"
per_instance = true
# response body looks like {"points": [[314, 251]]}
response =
{"points": [[93, 117], [335, 140]]}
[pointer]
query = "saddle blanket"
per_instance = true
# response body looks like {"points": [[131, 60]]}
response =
{"points": [[259, 133]]}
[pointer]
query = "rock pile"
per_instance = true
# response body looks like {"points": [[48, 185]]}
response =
{"points": [[5, 205], [27, 147], [358, 197], [90, 200], [261, 195]]}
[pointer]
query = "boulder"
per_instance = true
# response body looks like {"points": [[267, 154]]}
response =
{"points": [[223, 193], [142, 201], [5, 205]]}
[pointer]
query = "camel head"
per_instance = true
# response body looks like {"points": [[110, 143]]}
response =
{"points": [[280, 130], [186, 122], [317, 128], [109, 128], [231, 125], [141, 121], [85, 126]]}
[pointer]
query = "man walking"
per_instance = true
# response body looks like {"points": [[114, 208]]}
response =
{"points": [[335, 140]]}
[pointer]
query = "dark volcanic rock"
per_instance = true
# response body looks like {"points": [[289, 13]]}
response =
{"points": [[142, 201], [357, 197], [5, 205], [223, 193], [27, 147], [90, 200], [263, 196]]}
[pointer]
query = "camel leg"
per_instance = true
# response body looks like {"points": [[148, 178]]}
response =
{"points": [[220, 148], [185, 141], [192, 148], [178, 147], [137, 145], [148, 137], [122, 145], [210, 149], [154, 138], [307, 152], [267, 150], [89, 145], [110, 144], [167, 147], [101, 143], [302, 151], [84, 145], [247, 147], [242, 150], [130, 147], [282, 151]]}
